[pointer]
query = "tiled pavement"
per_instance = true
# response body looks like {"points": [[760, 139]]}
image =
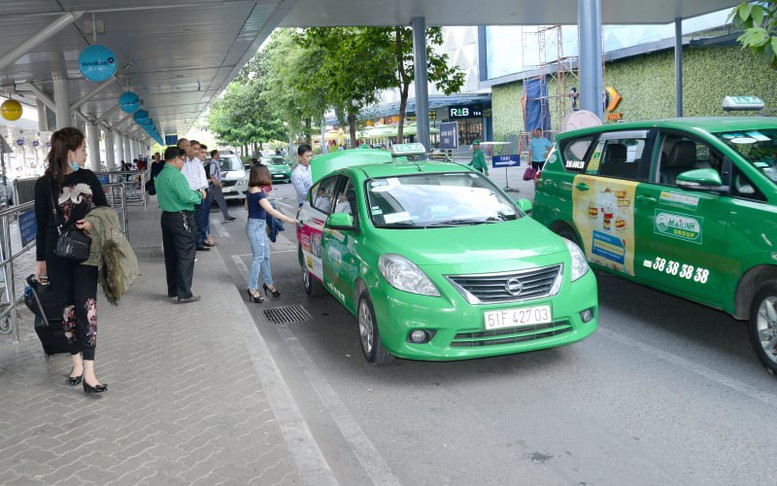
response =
{"points": [[194, 397]]}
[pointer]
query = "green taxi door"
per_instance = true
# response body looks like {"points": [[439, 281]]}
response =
{"points": [[682, 216], [339, 243]]}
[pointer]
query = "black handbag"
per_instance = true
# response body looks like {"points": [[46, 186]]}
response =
{"points": [[73, 244]]}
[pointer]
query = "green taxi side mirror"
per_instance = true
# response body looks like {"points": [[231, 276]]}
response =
{"points": [[524, 204], [340, 221], [699, 179]]}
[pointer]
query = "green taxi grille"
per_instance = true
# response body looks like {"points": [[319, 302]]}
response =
{"points": [[526, 284], [510, 335]]}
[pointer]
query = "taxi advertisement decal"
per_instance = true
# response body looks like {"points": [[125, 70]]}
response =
{"points": [[680, 226], [604, 217], [310, 241]]}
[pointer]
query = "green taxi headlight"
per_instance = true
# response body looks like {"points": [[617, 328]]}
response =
{"points": [[579, 263], [403, 275]]}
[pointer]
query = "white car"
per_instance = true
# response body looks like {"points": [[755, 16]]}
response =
{"points": [[234, 177]]}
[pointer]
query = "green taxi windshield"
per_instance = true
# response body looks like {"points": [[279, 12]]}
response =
{"points": [[758, 147], [437, 200]]}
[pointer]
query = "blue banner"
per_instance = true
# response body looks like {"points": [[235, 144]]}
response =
{"points": [[171, 139], [28, 226], [449, 135], [505, 161]]}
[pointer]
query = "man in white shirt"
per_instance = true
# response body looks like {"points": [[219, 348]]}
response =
{"points": [[301, 178], [195, 174]]}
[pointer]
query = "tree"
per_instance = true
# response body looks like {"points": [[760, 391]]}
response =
{"points": [[398, 43], [351, 73], [289, 69], [759, 22], [242, 116]]}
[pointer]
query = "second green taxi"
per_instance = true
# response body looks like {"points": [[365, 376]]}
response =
{"points": [[437, 263], [687, 206]]}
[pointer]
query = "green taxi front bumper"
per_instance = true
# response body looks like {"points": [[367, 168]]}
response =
{"points": [[457, 328]]}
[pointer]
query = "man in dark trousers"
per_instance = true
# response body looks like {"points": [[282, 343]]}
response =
{"points": [[179, 231]]}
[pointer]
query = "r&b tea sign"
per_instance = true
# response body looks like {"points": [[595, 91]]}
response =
{"points": [[466, 111]]}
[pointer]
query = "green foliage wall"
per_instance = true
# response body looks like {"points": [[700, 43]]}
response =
{"points": [[646, 84]]}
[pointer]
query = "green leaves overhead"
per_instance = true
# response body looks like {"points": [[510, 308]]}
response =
{"points": [[303, 73], [759, 24]]}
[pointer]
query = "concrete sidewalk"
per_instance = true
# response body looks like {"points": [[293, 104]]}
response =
{"points": [[194, 394]]}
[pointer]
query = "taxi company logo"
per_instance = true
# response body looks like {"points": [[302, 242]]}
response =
{"points": [[678, 226], [513, 286]]}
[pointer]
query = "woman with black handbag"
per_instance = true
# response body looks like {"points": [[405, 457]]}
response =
{"points": [[63, 197]]}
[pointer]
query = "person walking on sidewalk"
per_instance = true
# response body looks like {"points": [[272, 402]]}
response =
{"points": [[258, 208], [179, 231], [64, 195], [214, 176], [478, 161], [301, 178]]}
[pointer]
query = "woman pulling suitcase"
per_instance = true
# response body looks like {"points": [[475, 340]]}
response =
{"points": [[64, 195]]}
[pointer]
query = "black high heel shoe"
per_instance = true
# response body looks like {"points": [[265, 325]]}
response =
{"points": [[274, 291], [258, 299], [88, 389], [74, 380]]}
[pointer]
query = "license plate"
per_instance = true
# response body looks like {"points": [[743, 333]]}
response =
{"points": [[524, 316]]}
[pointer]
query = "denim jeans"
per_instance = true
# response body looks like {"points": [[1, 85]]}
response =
{"points": [[260, 249]]}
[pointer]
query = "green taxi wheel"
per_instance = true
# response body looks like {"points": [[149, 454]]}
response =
{"points": [[763, 325], [369, 337], [312, 286]]}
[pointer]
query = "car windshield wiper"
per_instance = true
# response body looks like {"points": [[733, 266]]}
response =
{"points": [[459, 222]]}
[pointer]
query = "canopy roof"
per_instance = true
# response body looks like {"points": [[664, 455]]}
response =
{"points": [[178, 55]]}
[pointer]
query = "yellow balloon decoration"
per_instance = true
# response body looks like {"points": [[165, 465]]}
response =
{"points": [[11, 110]]}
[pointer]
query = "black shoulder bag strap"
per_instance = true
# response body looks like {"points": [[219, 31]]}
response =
{"points": [[55, 210]]}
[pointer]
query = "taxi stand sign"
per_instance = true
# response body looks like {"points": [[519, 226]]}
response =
{"points": [[407, 149]]}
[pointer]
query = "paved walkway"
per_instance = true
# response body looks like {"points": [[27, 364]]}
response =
{"points": [[194, 395]]}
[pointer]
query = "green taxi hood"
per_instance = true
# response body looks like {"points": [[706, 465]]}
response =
{"points": [[486, 246], [324, 165]]}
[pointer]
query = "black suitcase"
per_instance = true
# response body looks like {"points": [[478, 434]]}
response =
{"points": [[43, 302], [52, 336]]}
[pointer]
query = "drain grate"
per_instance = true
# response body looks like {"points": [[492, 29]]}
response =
{"points": [[287, 314]]}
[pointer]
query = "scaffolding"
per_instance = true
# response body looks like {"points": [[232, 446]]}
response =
{"points": [[560, 74]]}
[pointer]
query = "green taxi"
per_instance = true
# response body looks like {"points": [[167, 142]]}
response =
{"points": [[687, 206], [436, 262], [280, 170]]}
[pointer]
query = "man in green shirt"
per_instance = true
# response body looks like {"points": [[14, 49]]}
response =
{"points": [[179, 232], [478, 158]]}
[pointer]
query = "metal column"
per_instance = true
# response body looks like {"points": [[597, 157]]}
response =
{"points": [[589, 19], [127, 152], [110, 150], [421, 82], [678, 67], [93, 138], [62, 100]]}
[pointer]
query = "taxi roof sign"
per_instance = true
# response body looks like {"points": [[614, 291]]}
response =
{"points": [[742, 103], [407, 149]]}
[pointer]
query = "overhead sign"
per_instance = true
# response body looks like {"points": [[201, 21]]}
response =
{"points": [[465, 111], [97, 63], [449, 135], [129, 102], [11, 110], [513, 160]]}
